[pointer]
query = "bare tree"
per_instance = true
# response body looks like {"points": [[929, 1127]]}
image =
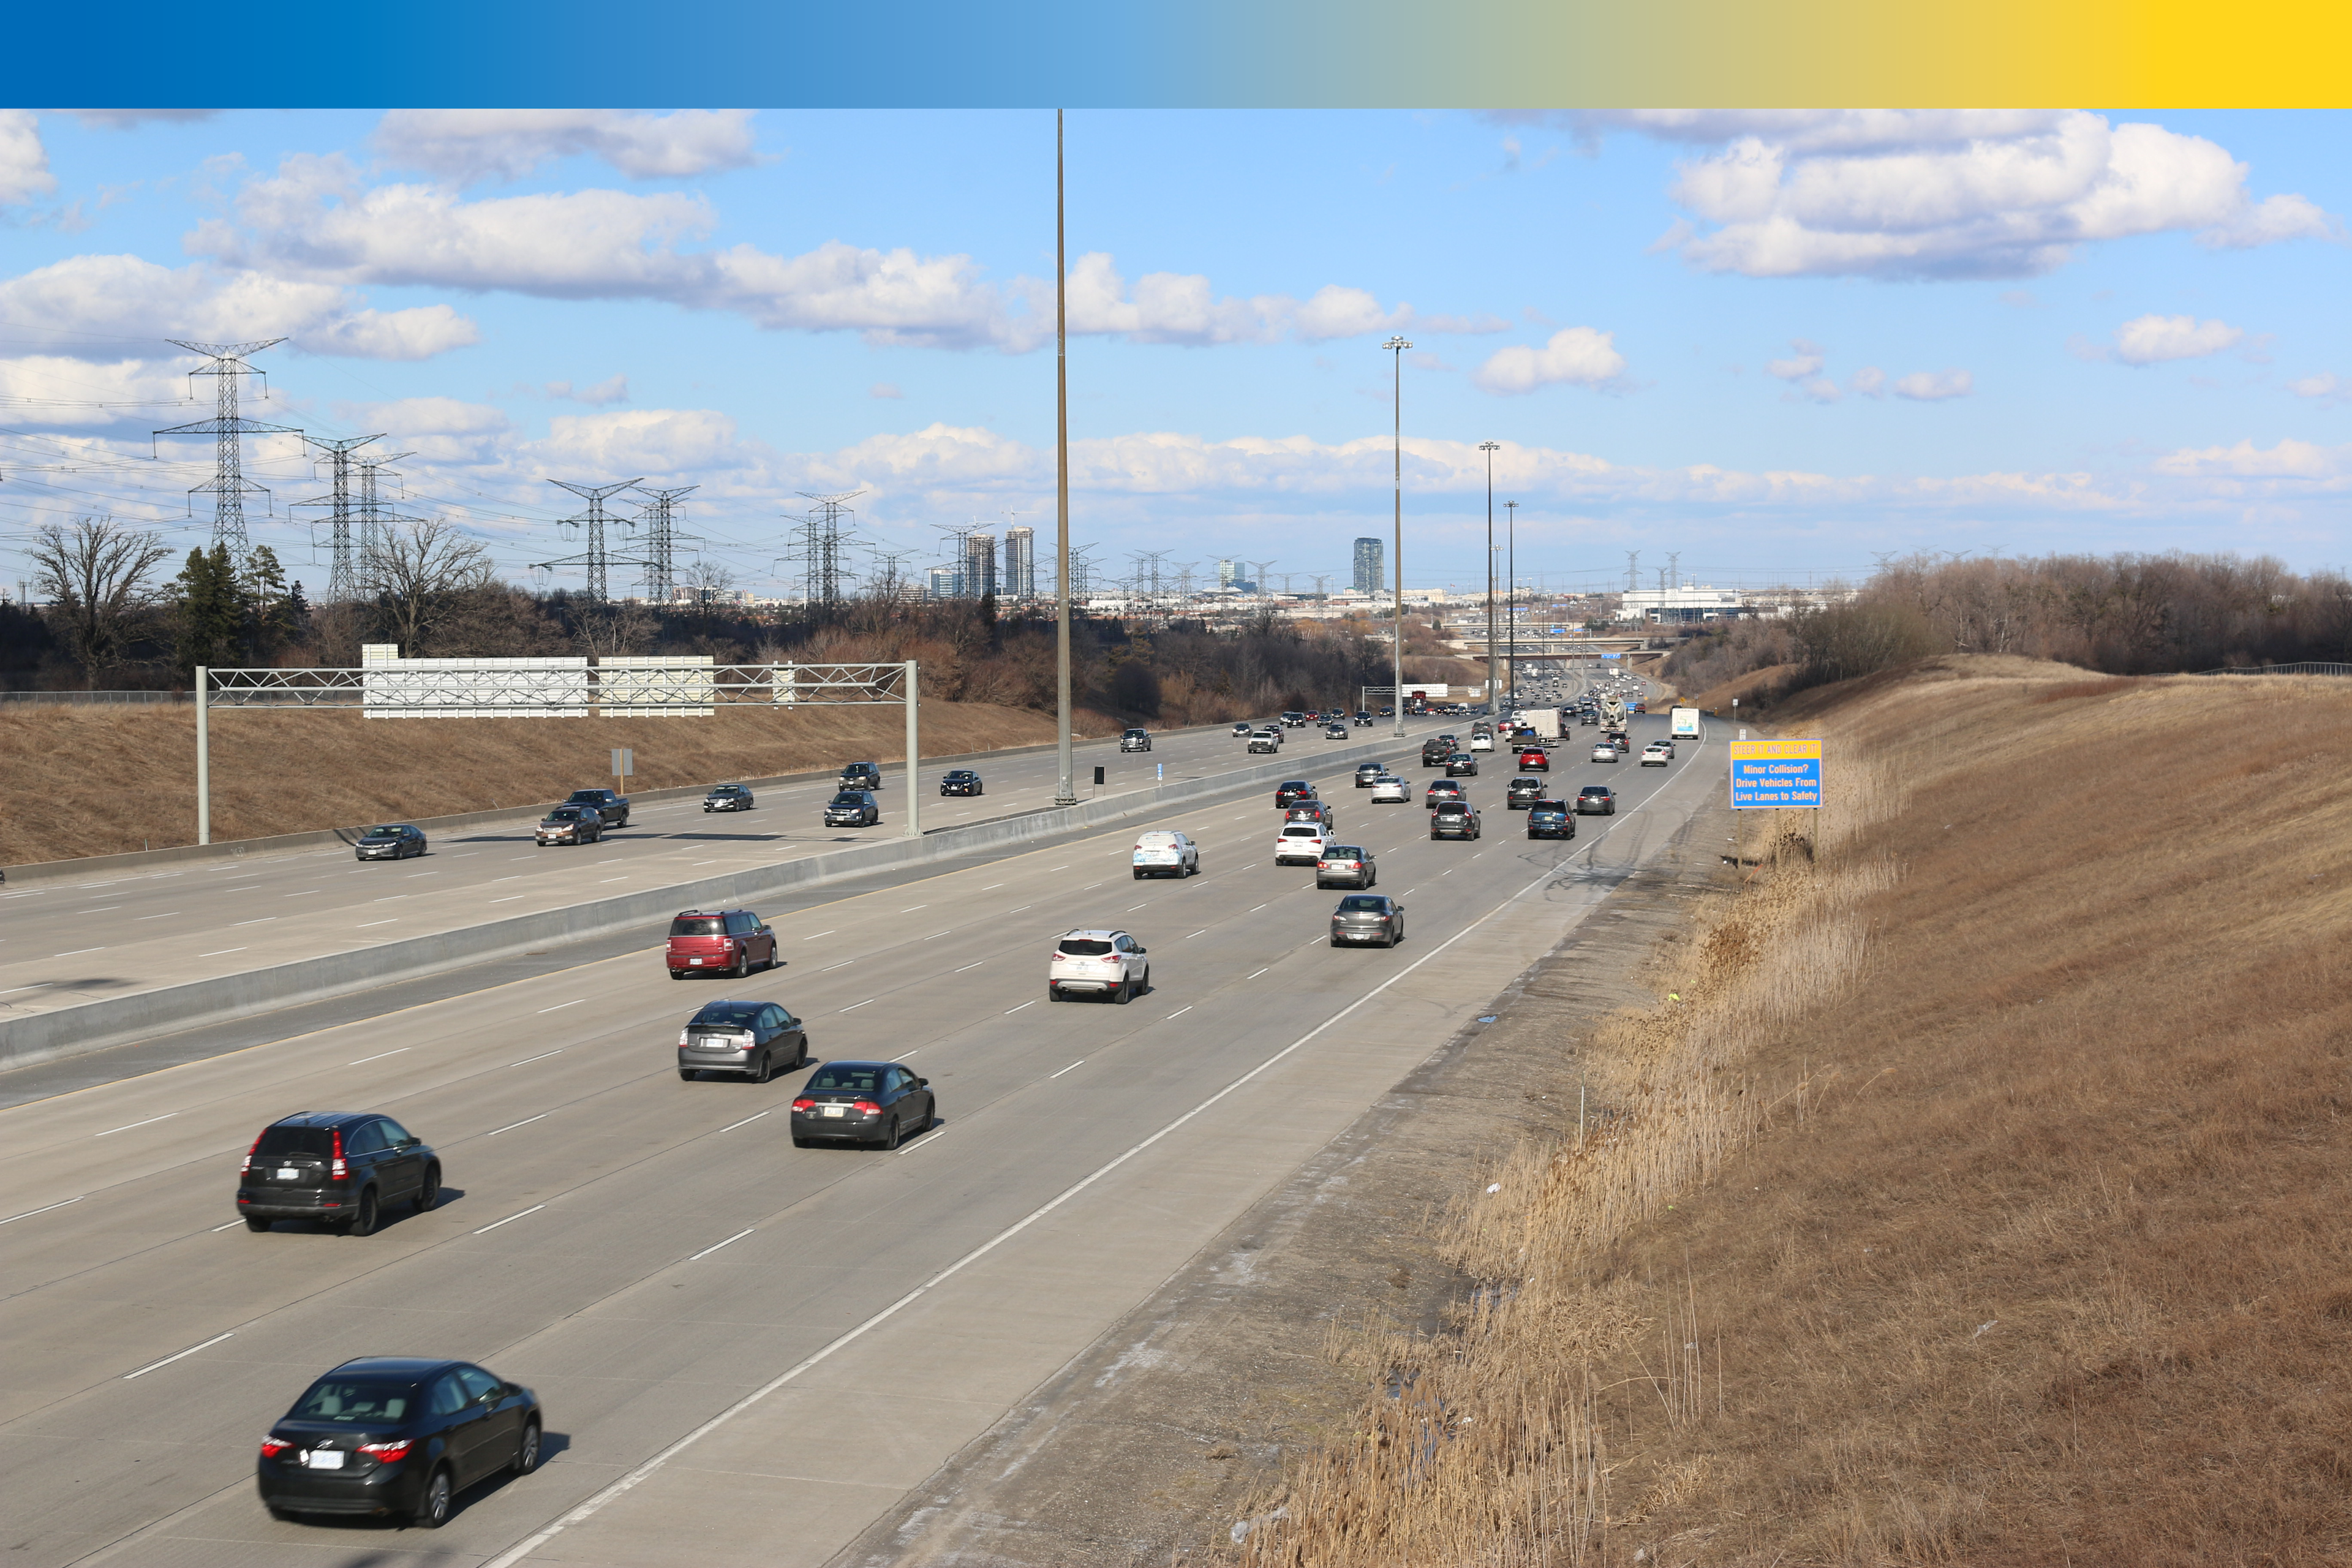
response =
{"points": [[95, 576], [603, 630], [421, 572]]}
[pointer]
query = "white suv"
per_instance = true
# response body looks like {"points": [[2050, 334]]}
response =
{"points": [[1301, 844], [1166, 855], [1097, 964]]}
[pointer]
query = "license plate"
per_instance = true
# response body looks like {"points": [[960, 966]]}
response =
{"points": [[694, 961], [288, 1176], [835, 1110], [326, 1458]]}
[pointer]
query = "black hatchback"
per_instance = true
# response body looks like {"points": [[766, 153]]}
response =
{"points": [[338, 1167], [397, 1437], [862, 1102], [752, 1039]]}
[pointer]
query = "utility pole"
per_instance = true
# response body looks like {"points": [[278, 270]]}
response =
{"points": [[228, 485], [1065, 793], [343, 579], [661, 577], [1396, 347], [598, 559], [1494, 695]]}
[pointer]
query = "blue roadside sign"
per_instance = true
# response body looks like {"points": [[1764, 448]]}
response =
{"points": [[1772, 774]]}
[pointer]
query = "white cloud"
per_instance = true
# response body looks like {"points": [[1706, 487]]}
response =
{"points": [[1946, 193], [2151, 339], [614, 389], [24, 162], [1577, 355], [889, 389], [1922, 387], [1808, 362], [464, 145], [2327, 387], [132, 118], [412, 334], [2288, 459], [1870, 381], [50, 392]]}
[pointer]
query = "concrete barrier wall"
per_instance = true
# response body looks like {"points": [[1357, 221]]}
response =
{"points": [[122, 1020]]}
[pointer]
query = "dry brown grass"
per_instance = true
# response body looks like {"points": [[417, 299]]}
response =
{"points": [[99, 781], [1983, 1199]]}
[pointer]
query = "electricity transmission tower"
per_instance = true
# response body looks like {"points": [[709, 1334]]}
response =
{"points": [[817, 545], [342, 578], [661, 575], [597, 558], [1147, 571], [1674, 569], [1265, 568], [375, 520], [1632, 570], [228, 485]]}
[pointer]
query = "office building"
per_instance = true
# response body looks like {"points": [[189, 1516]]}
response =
{"points": [[1371, 559], [1226, 572], [1020, 577], [979, 565], [946, 583]]}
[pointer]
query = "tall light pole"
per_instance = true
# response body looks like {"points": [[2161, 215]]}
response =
{"points": [[1494, 697], [1396, 347], [1511, 599], [1065, 795]]}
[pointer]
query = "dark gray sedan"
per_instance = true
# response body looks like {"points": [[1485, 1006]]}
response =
{"points": [[745, 1039], [879, 1103], [1368, 917], [390, 841]]}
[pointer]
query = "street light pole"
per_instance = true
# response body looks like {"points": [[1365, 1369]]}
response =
{"points": [[1494, 698], [1066, 793], [1396, 347], [1511, 598]]}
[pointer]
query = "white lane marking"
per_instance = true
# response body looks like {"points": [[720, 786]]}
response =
{"points": [[378, 1056], [831, 967], [1017, 910], [966, 966], [44, 1208], [167, 914], [509, 1219], [510, 898], [99, 910], [1031, 1002], [129, 1125], [230, 1225], [524, 1123], [902, 1056], [814, 938], [1255, 973], [855, 1005], [168, 1360], [389, 920], [303, 894], [220, 953], [912, 909], [1051, 869], [265, 920], [745, 1123], [78, 952], [560, 1005], [729, 1242], [1181, 1011], [1080, 1063], [992, 887], [541, 1057]]}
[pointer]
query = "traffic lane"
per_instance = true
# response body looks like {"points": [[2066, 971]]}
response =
{"points": [[232, 918]]}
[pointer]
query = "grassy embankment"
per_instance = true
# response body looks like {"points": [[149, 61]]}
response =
{"points": [[99, 781], [1984, 1198]]}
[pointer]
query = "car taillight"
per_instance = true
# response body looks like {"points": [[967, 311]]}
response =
{"points": [[273, 1445], [338, 1172], [681, 1037], [250, 1152], [388, 1453], [867, 1106], [804, 1103]]}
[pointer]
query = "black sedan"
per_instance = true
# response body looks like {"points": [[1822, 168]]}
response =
{"points": [[727, 798], [751, 1039], [962, 781], [862, 1102], [1523, 793], [340, 1168], [389, 841], [1551, 819], [1440, 791], [1595, 800], [1461, 765], [397, 1437], [1368, 917]]}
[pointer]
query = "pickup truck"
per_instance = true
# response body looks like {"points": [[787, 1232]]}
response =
{"points": [[614, 808], [1436, 751]]}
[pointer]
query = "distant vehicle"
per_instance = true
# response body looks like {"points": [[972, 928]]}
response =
{"points": [[1311, 811], [878, 1103], [960, 781], [1460, 765], [727, 798], [1551, 819], [570, 825], [1335, 731], [1388, 788], [614, 808], [1363, 718], [1595, 800], [338, 1168], [1657, 753], [861, 775], [1265, 741], [1135, 741], [1537, 758], [1290, 792], [1301, 843], [1345, 865], [853, 808], [750, 1039], [1368, 917], [1604, 752], [1294, 720], [389, 841], [1588, 716], [1683, 723], [1482, 742], [1165, 854], [1442, 789], [1097, 963], [1455, 819], [1243, 728], [1367, 772], [397, 1437], [1524, 792], [722, 941], [1435, 750]]}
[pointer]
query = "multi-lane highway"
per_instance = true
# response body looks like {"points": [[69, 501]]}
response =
{"points": [[748, 1352]]}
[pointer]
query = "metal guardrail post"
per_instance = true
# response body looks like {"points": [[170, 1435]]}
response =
{"points": [[914, 752], [203, 763]]}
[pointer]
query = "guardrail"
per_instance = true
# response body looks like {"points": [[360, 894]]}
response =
{"points": [[45, 699], [2306, 667]]}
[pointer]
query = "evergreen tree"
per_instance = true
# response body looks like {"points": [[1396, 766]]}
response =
{"points": [[210, 610]]}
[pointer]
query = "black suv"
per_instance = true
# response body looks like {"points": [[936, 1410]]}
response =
{"points": [[862, 775], [337, 1167], [614, 808], [1454, 819], [1290, 792], [852, 809], [389, 841], [727, 798], [1551, 819]]}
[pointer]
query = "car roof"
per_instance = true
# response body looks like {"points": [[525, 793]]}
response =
{"points": [[396, 1365], [682, 914], [325, 1118], [1105, 935]]}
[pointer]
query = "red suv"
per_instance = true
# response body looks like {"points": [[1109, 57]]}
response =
{"points": [[718, 941], [1534, 759]]}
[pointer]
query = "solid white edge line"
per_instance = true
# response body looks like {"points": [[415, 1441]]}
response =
{"points": [[644, 1472], [168, 1360], [509, 1219], [42, 1209], [729, 1242]]}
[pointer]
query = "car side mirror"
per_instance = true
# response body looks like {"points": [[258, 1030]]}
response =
{"points": [[923, 1083]]}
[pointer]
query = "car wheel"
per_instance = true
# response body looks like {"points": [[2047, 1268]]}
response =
{"points": [[433, 1508], [255, 1222], [800, 1143], [526, 1458], [1138, 873], [686, 1075], [363, 1222], [677, 974], [1125, 993], [1053, 993], [890, 1135], [800, 1055], [763, 1070], [428, 1192], [1337, 942], [741, 966]]}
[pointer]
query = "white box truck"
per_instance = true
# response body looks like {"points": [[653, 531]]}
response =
{"points": [[1545, 722], [1685, 725]]}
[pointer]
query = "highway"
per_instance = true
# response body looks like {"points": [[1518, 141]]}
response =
{"points": [[818, 1328]]}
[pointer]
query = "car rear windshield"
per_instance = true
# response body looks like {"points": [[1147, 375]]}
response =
{"points": [[355, 1400], [1548, 805], [1085, 946], [697, 925], [1302, 830], [1342, 852], [733, 1015], [857, 1080], [587, 797], [319, 1140]]}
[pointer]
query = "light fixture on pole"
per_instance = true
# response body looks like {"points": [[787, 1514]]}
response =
{"points": [[1065, 793], [1511, 600], [1494, 697], [1396, 347]]}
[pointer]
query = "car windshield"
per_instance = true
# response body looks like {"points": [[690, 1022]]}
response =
{"points": [[355, 1401], [390, 830], [847, 798], [1364, 904], [317, 1141], [566, 814], [850, 1078], [697, 925], [731, 1015], [1085, 946]]}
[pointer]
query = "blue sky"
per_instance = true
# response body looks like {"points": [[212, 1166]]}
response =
{"points": [[1778, 344]]}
